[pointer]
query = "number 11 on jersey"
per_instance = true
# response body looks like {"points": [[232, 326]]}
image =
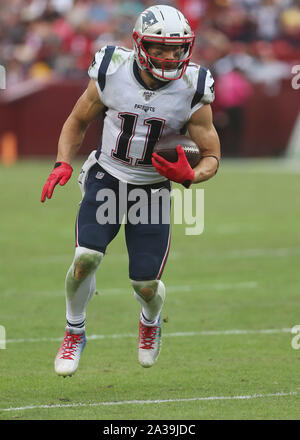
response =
{"points": [[122, 150]]}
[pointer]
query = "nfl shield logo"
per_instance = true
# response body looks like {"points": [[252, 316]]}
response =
{"points": [[99, 175], [148, 95]]}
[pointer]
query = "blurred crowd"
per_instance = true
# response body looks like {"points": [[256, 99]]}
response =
{"points": [[42, 37], [243, 42]]}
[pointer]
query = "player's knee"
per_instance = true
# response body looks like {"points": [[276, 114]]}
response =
{"points": [[146, 289], [86, 261]]}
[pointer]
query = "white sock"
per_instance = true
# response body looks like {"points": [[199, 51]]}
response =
{"points": [[80, 292], [152, 309], [76, 306]]}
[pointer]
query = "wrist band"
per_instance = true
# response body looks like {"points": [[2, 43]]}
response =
{"points": [[58, 164]]}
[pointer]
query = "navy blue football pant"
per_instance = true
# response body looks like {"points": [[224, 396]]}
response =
{"points": [[147, 244]]}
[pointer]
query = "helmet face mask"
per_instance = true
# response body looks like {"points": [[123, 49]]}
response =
{"points": [[163, 25]]}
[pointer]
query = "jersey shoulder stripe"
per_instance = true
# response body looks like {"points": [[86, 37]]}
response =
{"points": [[200, 86], [203, 86], [104, 65], [106, 62]]}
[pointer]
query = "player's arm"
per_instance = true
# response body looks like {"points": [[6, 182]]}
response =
{"points": [[203, 133], [87, 108]]}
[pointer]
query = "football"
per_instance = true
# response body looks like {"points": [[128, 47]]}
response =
{"points": [[166, 147]]}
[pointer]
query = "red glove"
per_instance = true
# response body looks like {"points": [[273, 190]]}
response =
{"points": [[179, 171], [61, 174]]}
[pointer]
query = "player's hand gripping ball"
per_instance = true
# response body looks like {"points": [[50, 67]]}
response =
{"points": [[174, 157]]}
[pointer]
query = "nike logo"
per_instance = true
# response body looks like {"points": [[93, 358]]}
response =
{"points": [[155, 190]]}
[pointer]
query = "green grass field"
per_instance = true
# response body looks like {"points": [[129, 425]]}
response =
{"points": [[232, 295]]}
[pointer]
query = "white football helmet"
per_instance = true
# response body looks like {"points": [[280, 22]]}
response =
{"points": [[165, 25]]}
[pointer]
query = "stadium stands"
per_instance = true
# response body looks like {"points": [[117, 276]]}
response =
{"points": [[246, 44]]}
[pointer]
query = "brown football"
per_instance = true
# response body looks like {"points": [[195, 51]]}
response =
{"points": [[166, 147]]}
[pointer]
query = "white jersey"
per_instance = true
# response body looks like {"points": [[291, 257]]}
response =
{"points": [[136, 116]]}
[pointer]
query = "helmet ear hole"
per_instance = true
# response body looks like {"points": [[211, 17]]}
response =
{"points": [[186, 47]]}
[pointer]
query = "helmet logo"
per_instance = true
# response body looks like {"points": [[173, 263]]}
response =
{"points": [[148, 19]]}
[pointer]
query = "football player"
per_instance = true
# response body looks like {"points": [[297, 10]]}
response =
{"points": [[147, 92]]}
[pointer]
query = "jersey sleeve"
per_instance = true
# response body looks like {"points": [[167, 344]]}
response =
{"points": [[99, 66], [204, 90]]}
